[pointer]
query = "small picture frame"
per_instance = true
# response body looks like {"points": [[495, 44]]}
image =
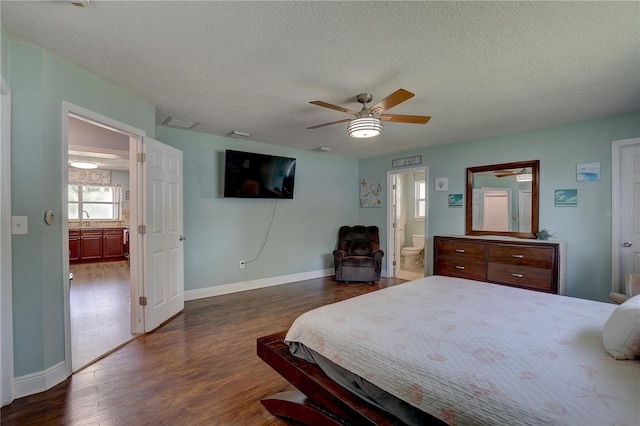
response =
{"points": [[441, 184], [566, 198], [455, 201], [588, 172]]}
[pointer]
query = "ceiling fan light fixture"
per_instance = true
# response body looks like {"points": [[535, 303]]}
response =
{"points": [[83, 165], [364, 127], [524, 177]]}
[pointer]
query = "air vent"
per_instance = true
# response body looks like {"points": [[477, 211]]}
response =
{"points": [[323, 149], [240, 133], [179, 122]]}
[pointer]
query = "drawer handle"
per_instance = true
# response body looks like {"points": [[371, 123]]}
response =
{"points": [[518, 256], [459, 267], [459, 250], [517, 275]]}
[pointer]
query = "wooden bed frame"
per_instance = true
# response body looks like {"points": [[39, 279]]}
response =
{"points": [[319, 400]]}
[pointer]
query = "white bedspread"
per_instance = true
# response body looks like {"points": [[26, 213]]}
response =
{"points": [[479, 353]]}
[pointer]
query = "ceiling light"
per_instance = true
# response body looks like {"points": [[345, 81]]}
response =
{"points": [[524, 177], [83, 165], [364, 127], [179, 122]]}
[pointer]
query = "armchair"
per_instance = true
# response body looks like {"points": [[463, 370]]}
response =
{"points": [[632, 287], [358, 257]]}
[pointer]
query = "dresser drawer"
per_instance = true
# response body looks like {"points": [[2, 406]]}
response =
{"points": [[522, 276], [460, 249], [462, 268], [539, 257]]}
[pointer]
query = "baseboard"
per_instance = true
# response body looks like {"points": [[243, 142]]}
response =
{"points": [[219, 290], [41, 381]]}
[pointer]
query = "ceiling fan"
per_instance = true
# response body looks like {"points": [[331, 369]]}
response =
{"points": [[523, 175], [368, 122], [512, 172]]}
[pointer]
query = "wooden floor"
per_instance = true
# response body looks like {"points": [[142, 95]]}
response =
{"points": [[200, 368], [100, 310]]}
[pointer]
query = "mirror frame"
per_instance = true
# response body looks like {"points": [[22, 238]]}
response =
{"points": [[535, 171]]}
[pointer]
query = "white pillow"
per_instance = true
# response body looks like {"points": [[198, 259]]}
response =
{"points": [[621, 332]]}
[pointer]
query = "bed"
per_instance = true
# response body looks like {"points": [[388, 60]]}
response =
{"points": [[444, 350]]}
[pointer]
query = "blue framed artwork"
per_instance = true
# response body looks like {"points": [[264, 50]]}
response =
{"points": [[566, 198], [455, 200], [588, 172]]}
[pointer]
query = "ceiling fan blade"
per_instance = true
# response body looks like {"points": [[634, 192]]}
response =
{"points": [[335, 107], [413, 119], [329, 124], [390, 101]]}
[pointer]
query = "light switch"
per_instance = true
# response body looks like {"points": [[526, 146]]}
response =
{"points": [[18, 224]]}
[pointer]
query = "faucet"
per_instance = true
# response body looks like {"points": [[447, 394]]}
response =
{"points": [[88, 217]]}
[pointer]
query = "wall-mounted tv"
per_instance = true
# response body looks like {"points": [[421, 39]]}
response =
{"points": [[251, 175]]}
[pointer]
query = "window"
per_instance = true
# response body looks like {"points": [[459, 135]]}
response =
{"points": [[421, 199], [101, 202]]}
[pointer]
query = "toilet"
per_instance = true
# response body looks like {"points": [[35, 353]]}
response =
{"points": [[410, 253]]}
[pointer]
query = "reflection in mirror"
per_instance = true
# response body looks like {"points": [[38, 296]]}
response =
{"points": [[502, 199]]}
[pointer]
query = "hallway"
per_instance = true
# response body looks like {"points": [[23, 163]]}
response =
{"points": [[100, 310]]}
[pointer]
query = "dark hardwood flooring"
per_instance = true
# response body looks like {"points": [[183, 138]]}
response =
{"points": [[200, 368]]}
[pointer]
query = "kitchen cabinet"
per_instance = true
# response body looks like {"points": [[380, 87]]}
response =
{"points": [[95, 244], [74, 244], [112, 243], [91, 244]]}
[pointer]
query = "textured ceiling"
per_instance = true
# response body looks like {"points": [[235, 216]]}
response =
{"points": [[478, 68]]}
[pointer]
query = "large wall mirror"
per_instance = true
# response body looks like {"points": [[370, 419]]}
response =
{"points": [[502, 199]]}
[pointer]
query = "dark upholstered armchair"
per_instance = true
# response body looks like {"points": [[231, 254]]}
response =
{"points": [[358, 257]]}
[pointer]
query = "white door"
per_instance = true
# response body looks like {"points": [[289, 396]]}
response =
{"points": [[497, 210], [626, 210], [163, 240]]}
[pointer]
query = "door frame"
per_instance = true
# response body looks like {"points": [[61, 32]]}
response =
{"points": [[616, 223], [390, 249], [137, 282], [7, 392]]}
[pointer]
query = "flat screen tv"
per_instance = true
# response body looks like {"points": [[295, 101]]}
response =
{"points": [[251, 175]]}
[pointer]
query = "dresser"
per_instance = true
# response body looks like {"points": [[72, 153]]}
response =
{"points": [[531, 264]]}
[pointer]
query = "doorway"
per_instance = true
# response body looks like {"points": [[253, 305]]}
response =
{"points": [[407, 214], [107, 276], [98, 213]]}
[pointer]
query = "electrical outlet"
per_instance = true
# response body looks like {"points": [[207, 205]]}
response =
{"points": [[242, 264]]}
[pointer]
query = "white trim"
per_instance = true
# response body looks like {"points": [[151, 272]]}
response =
{"points": [[41, 381], [616, 238], [6, 298], [135, 133], [219, 290]]}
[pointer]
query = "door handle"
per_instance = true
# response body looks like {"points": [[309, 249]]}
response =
{"points": [[182, 238], [627, 244]]}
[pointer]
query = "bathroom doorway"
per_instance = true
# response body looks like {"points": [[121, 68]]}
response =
{"points": [[407, 215], [98, 217]]}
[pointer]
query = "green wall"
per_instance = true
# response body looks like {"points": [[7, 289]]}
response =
{"points": [[40, 82], [586, 228], [222, 231]]}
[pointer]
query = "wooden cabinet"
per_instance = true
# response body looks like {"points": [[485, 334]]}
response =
{"points": [[74, 244], [533, 264], [91, 244], [112, 243], [95, 244]]}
